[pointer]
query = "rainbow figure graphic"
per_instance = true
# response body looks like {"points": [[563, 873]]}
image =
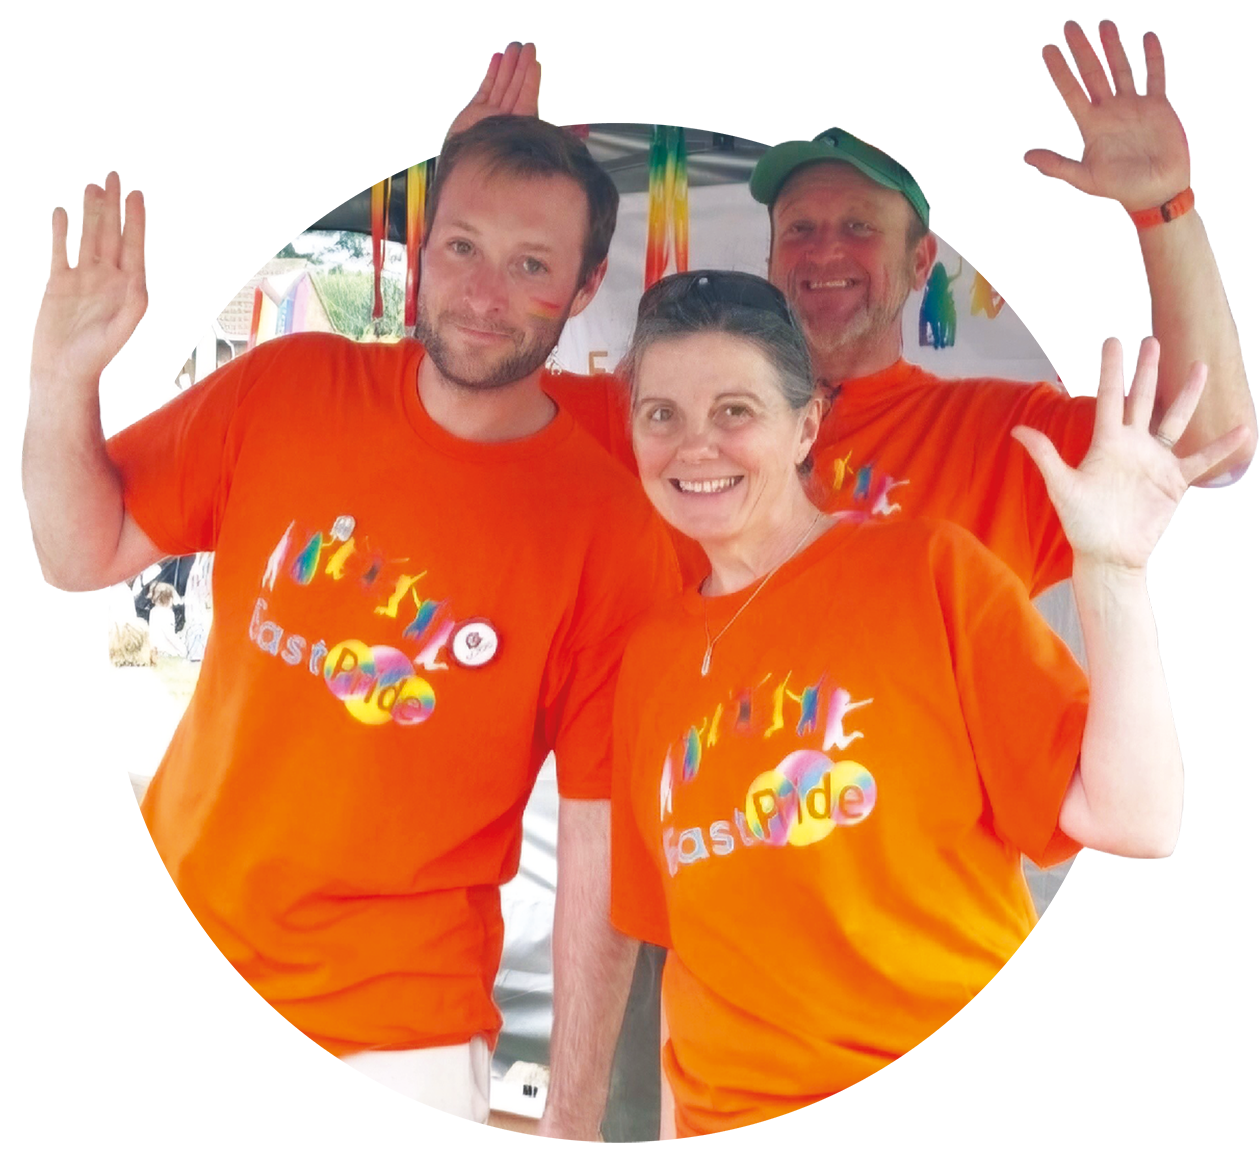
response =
{"points": [[984, 299], [938, 316]]}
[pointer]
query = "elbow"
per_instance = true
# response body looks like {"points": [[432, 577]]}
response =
{"points": [[67, 574], [1234, 467]]}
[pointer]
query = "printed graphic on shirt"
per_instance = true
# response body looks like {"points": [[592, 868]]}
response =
{"points": [[802, 800], [858, 491], [377, 683]]}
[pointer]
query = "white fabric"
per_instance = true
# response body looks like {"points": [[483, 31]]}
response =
{"points": [[162, 631], [454, 1079]]}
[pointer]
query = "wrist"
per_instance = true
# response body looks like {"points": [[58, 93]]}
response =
{"points": [[1151, 216], [54, 377], [1104, 573]]}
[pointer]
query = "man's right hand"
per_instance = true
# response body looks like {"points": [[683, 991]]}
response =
{"points": [[84, 536], [510, 86], [90, 310]]}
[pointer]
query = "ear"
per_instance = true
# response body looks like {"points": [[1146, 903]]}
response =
{"points": [[587, 290], [811, 423], [924, 259]]}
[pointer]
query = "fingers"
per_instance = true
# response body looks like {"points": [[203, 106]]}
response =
{"points": [[131, 258], [1154, 65], [1202, 462], [1117, 61], [61, 226], [1044, 454], [1056, 165], [109, 229], [531, 96], [1174, 421], [506, 74], [1109, 412], [1140, 404], [526, 60], [1093, 76], [93, 197], [1065, 81], [487, 82]]}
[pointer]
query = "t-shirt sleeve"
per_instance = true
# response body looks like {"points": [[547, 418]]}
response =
{"points": [[1069, 422], [176, 463], [1022, 695], [630, 568], [638, 897]]}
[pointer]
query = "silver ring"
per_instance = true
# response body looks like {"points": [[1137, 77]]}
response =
{"points": [[1169, 443]]}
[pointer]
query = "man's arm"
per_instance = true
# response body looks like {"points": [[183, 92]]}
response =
{"points": [[83, 536], [593, 965], [1135, 152]]}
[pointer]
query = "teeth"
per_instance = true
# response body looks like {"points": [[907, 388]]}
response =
{"points": [[837, 284], [706, 486]]}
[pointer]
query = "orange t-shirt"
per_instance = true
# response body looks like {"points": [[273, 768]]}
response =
{"points": [[405, 624], [827, 829], [904, 443]]}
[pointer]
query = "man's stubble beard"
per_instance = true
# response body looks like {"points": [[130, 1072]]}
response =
{"points": [[864, 330], [532, 350]]}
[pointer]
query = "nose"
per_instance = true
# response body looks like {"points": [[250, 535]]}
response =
{"points": [[825, 242], [697, 444], [485, 289]]}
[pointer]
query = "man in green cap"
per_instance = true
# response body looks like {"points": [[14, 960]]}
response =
{"points": [[850, 242]]}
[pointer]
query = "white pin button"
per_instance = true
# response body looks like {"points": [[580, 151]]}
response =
{"points": [[474, 643]]}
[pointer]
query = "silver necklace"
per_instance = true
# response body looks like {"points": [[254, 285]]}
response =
{"points": [[710, 641]]}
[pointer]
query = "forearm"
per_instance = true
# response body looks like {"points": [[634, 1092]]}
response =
{"points": [[593, 965], [669, 1127], [1191, 318], [1126, 798], [73, 492]]}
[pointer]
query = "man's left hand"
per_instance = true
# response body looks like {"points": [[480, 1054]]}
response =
{"points": [[1135, 148]]}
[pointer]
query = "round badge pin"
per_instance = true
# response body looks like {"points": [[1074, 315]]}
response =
{"points": [[474, 643]]}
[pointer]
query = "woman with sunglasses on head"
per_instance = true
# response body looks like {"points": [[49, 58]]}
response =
{"points": [[831, 756]]}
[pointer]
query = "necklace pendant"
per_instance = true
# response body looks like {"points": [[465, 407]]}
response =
{"points": [[704, 664]]}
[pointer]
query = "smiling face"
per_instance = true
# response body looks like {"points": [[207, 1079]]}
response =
{"points": [[717, 444], [500, 274], [840, 252]]}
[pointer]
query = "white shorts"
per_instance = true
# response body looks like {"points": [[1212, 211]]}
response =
{"points": [[454, 1079]]}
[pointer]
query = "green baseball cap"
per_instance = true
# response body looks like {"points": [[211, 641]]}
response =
{"points": [[778, 164]]}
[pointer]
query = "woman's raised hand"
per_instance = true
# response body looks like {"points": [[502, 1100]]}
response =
{"points": [[1116, 505]]}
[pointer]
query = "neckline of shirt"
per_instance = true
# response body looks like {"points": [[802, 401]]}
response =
{"points": [[829, 541], [540, 443], [871, 389]]}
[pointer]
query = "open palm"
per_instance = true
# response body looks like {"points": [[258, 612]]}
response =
{"points": [[1117, 503], [90, 310], [1135, 149]]}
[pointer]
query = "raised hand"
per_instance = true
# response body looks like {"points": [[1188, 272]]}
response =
{"points": [[1116, 505], [90, 310], [1135, 149], [510, 86]]}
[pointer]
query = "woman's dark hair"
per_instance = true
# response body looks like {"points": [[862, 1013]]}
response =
{"points": [[725, 302]]}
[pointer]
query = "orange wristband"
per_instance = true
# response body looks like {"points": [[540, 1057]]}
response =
{"points": [[1173, 208]]}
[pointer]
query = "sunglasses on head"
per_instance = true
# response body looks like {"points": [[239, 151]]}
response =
{"points": [[714, 288]]}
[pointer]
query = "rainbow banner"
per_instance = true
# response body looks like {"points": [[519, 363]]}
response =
{"points": [[382, 103], [667, 203], [417, 183]]}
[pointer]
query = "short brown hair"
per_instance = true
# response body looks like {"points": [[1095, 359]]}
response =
{"points": [[528, 147]]}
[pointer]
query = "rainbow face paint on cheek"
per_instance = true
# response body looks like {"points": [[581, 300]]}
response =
{"points": [[546, 310]]}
